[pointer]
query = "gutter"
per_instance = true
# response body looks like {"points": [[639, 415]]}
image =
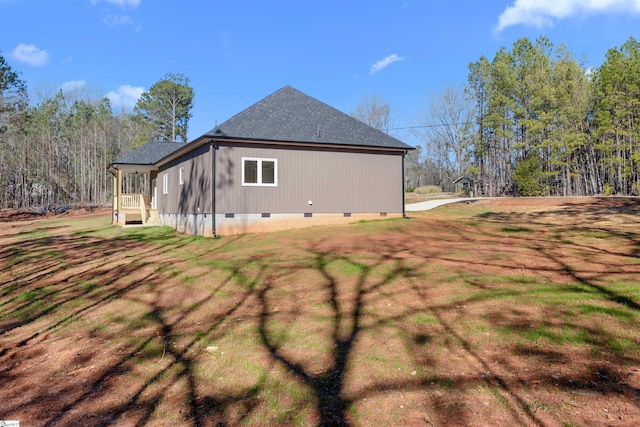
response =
{"points": [[333, 146]]}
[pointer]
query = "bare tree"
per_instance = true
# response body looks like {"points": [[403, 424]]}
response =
{"points": [[374, 112], [446, 129]]}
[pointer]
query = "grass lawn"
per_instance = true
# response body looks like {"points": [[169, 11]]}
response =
{"points": [[504, 312]]}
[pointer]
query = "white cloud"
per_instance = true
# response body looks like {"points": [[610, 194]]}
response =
{"points": [[385, 63], [125, 97], [31, 55], [122, 3], [542, 13], [116, 20], [73, 85]]}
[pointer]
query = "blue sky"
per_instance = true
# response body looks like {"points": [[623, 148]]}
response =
{"points": [[236, 52]]}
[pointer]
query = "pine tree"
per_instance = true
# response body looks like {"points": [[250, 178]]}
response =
{"points": [[166, 108]]}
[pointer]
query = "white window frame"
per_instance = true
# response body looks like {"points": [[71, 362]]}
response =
{"points": [[165, 183], [260, 183], [181, 175]]}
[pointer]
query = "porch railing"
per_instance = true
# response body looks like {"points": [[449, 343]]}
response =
{"points": [[133, 202]]}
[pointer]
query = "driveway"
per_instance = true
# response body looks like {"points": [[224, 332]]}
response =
{"points": [[431, 204]]}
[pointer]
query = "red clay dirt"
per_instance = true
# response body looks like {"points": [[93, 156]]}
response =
{"points": [[20, 215]]}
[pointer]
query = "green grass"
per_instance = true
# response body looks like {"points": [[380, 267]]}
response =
{"points": [[556, 335], [31, 296], [88, 286], [385, 221], [512, 229], [348, 269], [35, 233], [598, 234], [618, 313], [421, 319], [621, 346], [154, 349]]}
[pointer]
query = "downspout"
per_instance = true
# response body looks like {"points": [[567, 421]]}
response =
{"points": [[214, 148], [404, 213]]}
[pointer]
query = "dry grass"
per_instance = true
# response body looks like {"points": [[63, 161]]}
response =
{"points": [[499, 312]]}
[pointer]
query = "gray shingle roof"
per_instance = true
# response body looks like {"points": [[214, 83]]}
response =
{"points": [[286, 115], [149, 153], [290, 115]]}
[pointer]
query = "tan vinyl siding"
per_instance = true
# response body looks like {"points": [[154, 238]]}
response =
{"points": [[334, 181], [195, 192]]}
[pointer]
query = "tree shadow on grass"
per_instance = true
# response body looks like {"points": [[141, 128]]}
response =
{"points": [[85, 275], [66, 277], [179, 367], [598, 211], [168, 341], [590, 220], [594, 378], [344, 324]]}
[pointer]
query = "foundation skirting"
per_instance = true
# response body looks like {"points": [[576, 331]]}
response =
{"points": [[227, 224]]}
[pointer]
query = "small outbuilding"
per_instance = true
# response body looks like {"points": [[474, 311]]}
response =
{"points": [[462, 185], [287, 161]]}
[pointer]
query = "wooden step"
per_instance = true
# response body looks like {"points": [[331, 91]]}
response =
{"points": [[153, 218]]}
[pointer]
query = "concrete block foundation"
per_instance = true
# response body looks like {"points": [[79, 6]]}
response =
{"points": [[201, 224]]}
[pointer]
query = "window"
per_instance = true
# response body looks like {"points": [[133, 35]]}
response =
{"points": [[165, 183], [259, 172], [181, 176]]}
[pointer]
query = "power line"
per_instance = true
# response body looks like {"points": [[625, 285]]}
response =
{"points": [[431, 126], [495, 122]]}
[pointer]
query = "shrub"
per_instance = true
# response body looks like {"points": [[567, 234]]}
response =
{"points": [[428, 189], [608, 190]]}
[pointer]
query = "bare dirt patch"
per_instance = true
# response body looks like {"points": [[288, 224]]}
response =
{"points": [[509, 312], [19, 215]]}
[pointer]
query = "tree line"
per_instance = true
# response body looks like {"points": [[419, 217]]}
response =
{"points": [[532, 120], [56, 151], [535, 121]]}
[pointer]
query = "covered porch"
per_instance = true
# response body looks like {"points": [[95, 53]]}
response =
{"points": [[135, 195]]}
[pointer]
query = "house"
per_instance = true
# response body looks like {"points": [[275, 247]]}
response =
{"points": [[287, 161]]}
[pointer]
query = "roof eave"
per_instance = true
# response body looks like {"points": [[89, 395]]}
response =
{"points": [[131, 167], [196, 143], [204, 139], [308, 144]]}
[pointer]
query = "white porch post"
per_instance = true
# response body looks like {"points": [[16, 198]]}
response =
{"points": [[114, 199], [119, 193]]}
